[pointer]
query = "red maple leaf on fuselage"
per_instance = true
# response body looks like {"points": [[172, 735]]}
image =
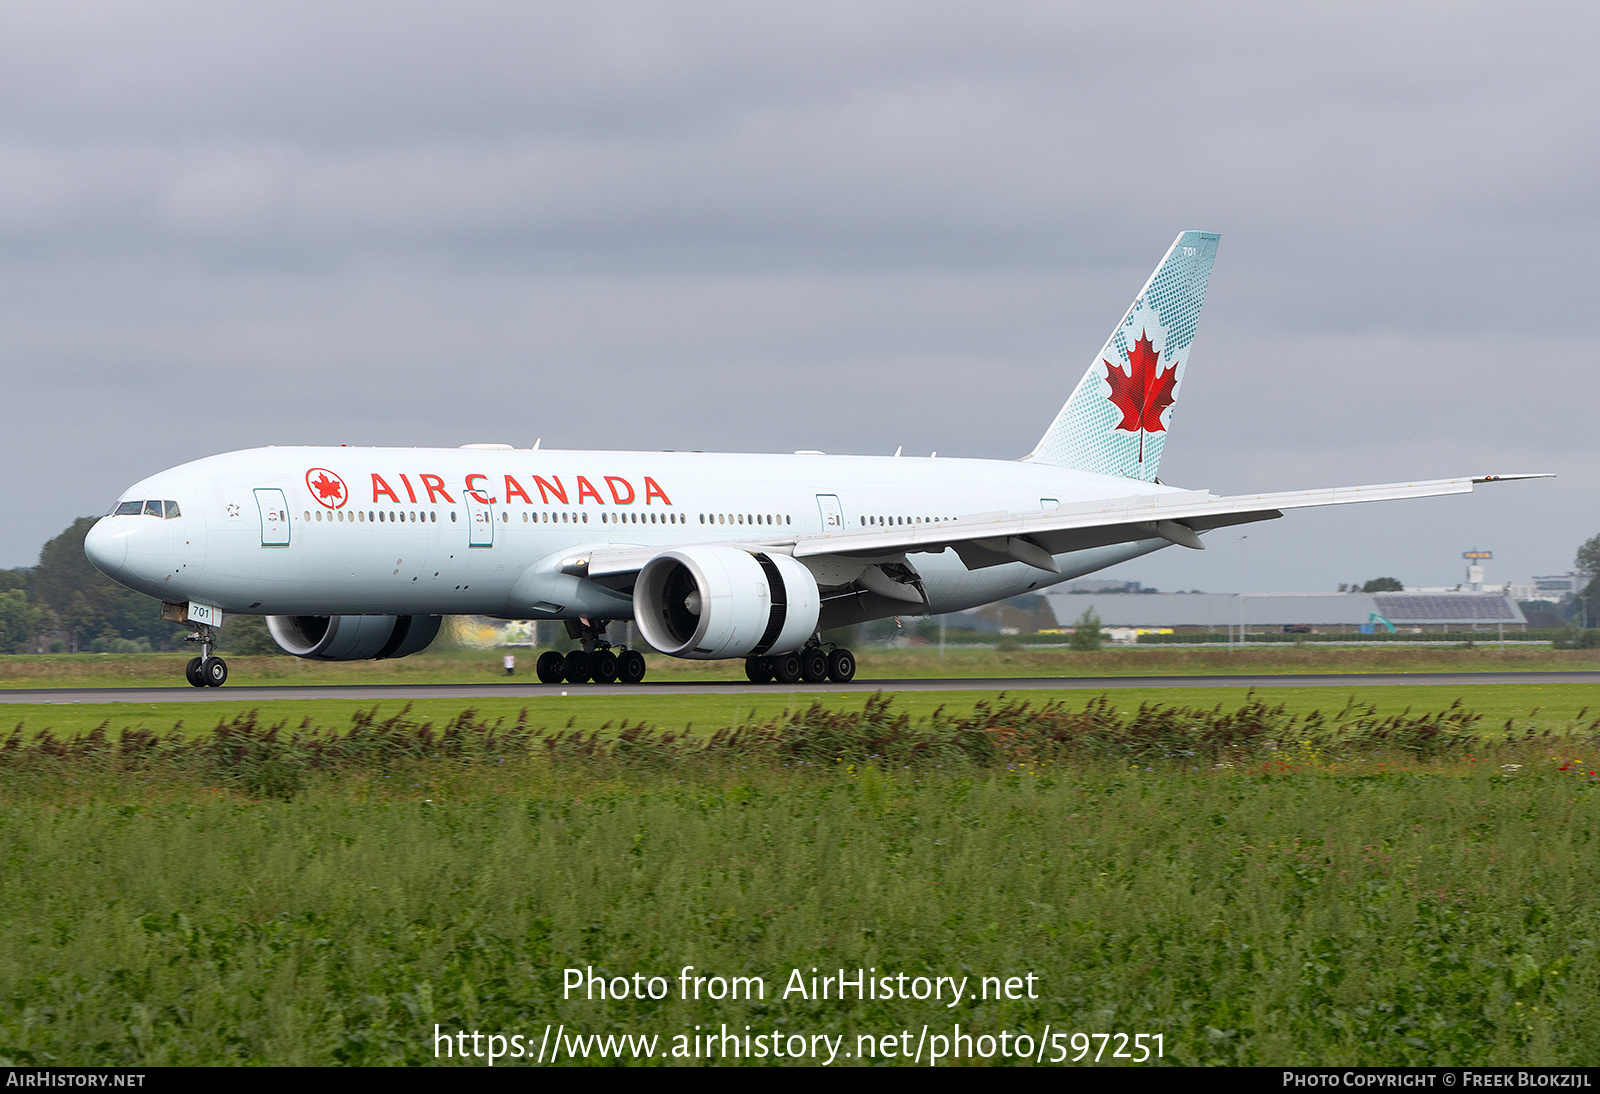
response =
{"points": [[1142, 392], [327, 488]]}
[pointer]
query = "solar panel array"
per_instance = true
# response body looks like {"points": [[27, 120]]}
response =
{"points": [[1448, 608]]}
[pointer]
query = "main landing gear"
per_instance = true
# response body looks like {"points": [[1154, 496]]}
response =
{"points": [[205, 671], [813, 665], [598, 660]]}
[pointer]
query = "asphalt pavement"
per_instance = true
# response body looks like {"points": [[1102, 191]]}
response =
{"points": [[530, 691]]}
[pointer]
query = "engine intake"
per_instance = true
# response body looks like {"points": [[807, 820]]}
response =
{"points": [[714, 601], [353, 637]]}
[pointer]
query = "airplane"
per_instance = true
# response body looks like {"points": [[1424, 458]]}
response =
{"points": [[357, 553]]}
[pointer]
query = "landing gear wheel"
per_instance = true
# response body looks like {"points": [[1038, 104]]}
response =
{"points": [[575, 667], [813, 665], [841, 666], [191, 672], [786, 668], [758, 670], [548, 667], [215, 672], [603, 666], [630, 667]]}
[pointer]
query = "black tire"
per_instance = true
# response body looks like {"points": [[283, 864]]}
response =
{"points": [[603, 666], [786, 668], [630, 667], [548, 667], [215, 672], [813, 665], [576, 667], [758, 670], [841, 666], [191, 673]]}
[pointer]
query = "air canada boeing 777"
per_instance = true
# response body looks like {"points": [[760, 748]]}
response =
{"points": [[357, 553]]}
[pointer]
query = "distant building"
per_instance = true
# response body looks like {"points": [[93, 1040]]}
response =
{"points": [[1552, 588], [1027, 614], [1314, 613]]}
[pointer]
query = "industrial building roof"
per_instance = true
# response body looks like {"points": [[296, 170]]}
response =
{"points": [[1448, 608], [1286, 609]]}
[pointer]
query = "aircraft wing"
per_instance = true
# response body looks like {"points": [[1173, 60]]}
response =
{"points": [[1032, 537], [993, 539]]}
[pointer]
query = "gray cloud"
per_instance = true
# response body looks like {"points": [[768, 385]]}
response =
{"points": [[847, 226]]}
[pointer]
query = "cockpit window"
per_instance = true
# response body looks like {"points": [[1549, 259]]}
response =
{"points": [[172, 509], [152, 508], [129, 509]]}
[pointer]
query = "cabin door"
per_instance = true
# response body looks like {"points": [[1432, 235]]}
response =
{"points": [[480, 522], [832, 514], [274, 509]]}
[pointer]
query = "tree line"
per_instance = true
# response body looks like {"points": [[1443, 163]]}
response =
{"points": [[63, 604]]}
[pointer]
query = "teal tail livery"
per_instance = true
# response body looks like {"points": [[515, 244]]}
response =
{"points": [[1116, 421]]}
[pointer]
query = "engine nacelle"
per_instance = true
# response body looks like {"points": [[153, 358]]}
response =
{"points": [[353, 637], [706, 602]]}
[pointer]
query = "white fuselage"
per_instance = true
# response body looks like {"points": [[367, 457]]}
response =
{"points": [[332, 531]]}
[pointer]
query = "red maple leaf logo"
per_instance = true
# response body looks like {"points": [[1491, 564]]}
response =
{"points": [[1142, 392], [327, 488]]}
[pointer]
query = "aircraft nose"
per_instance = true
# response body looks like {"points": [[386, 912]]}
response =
{"points": [[107, 546]]}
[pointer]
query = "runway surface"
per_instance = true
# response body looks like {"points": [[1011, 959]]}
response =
{"points": [[533, 691]]}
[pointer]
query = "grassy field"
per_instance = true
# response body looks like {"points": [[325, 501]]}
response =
{"points": [[1552, 706], [483, 666], [1253, 890]]}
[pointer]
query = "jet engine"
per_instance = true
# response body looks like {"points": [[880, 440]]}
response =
{"points": [[715, 601], [353, 637]]}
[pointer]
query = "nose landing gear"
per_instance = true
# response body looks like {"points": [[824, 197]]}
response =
{"points": [[207, 670]]}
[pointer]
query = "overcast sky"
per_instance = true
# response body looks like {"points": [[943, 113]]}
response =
{"points": [[851, 227]]}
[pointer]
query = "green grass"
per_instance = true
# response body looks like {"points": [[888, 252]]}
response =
{"points": [[1256, 890], [1431, 915], [1552, 706], [483, 667]]}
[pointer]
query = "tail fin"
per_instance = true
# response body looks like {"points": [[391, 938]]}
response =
{"points": [[1116, 421]]}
